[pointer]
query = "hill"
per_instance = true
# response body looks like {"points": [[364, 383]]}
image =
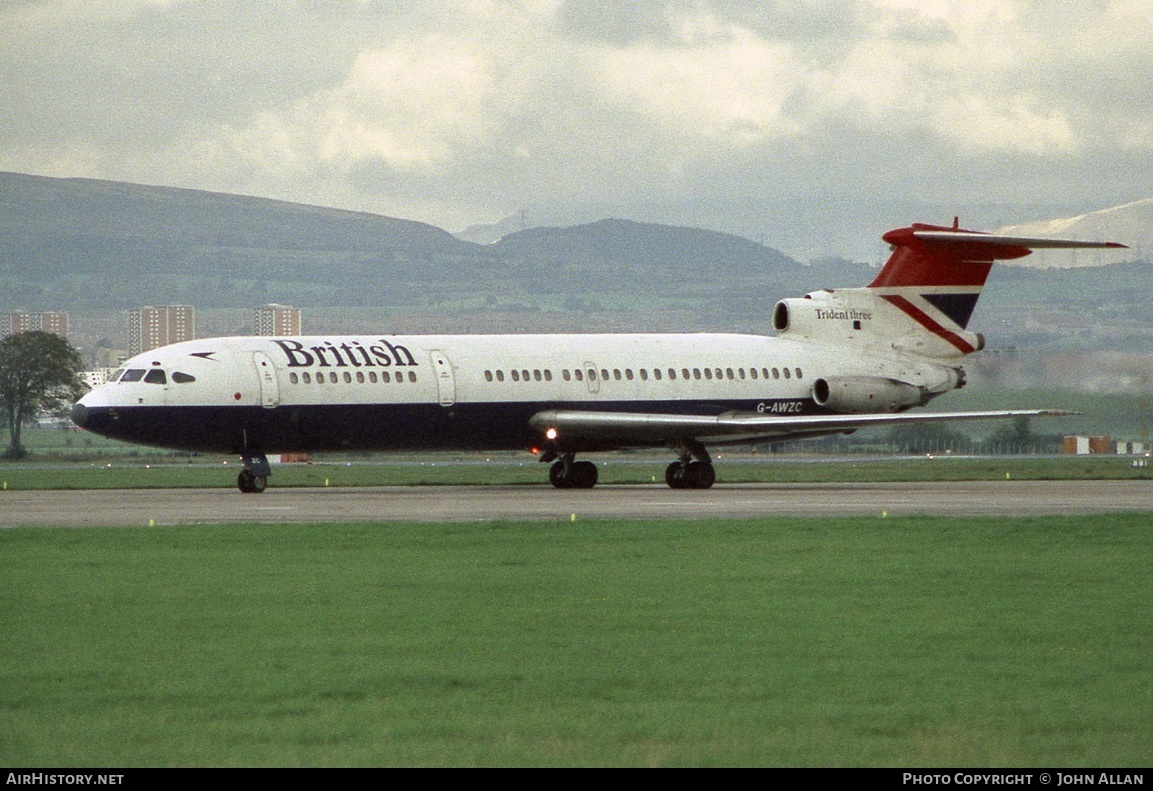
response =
{"points": [[77, 244], [97, 248]]}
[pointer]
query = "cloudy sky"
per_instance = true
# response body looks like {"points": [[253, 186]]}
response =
{"points": [[734, 114]]}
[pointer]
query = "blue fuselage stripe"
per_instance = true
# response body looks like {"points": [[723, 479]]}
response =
{"points": [[413, 426]]}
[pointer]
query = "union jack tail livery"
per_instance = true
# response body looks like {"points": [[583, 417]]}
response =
{"points": [[922, 299]]}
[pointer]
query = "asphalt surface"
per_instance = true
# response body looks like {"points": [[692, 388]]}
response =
{"points": [[145, 507]]}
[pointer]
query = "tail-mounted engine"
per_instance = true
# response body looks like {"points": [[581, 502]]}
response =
{"points": [[863, 394]]}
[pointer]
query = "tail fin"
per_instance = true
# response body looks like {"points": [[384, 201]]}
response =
{"points": [[935, 274], [921, 300]]}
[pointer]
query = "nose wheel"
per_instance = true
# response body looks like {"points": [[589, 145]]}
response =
{"points": [[250, 483], [253, 479]]}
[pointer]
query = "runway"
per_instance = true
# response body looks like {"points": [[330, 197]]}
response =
{"points": [[144, 507]]}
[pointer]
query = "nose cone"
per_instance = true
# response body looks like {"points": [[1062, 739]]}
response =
{"points": [[79, 414]]}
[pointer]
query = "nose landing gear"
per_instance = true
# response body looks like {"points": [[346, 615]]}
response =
{"points": [[253, 479]]}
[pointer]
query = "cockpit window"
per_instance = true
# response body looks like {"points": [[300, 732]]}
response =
{"points": [[156, 377], [116, 375], [132, 375], [181, 378]]}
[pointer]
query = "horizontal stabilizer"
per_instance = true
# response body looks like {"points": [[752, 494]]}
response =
{"points": [[969, 237]]}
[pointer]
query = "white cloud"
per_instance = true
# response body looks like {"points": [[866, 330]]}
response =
{"points": [[722, 83], [451, 111]]}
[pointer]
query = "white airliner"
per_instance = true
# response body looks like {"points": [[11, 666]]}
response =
{"points": [[842, 360]]}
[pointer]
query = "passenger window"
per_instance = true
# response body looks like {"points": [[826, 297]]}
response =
{"points": [[696, 373], [729, 373], [580, 374], [156, 377], [306, 377], [385, 377], [753, 372], [604, 374], [566, 375], [657, 374], [372, 376], [499, 376], [617, 374], [672, 373], [332, 377], [776, 373], [132, 375], [360, 377], [644, 375], [183, 379], [798, 370], [347, 378], [547, 375], [788, 374], [629, 374], [515, 375], [709, 373], [536, 374], [488, 376], [412, 376], [292, 377]]}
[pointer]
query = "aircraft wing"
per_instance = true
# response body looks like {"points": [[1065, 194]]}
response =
{"points": [[582, 427]]}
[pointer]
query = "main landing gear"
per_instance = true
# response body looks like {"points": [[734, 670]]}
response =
{"points": [[253, 479], [694, 470], [568, 474], [689, 473]]}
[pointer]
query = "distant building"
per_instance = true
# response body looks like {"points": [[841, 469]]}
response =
{"points": [[276, 320], [19, 321], [95, 377], [1079, 444], [149, 327]]}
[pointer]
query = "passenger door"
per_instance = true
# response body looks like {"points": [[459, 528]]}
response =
{"points": [[269, 384], [445, 382]]}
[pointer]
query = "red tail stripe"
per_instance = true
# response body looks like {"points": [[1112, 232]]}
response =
{"points": [[928, 323], [920, 264]]}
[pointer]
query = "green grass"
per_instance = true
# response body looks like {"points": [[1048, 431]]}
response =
{"points": [[900, 642]]}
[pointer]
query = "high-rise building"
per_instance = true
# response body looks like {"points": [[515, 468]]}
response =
{"points": [[19, 321], [149, 327], [276, 320]]}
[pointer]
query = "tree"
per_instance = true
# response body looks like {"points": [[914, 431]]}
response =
{"points": [[38, 373]]}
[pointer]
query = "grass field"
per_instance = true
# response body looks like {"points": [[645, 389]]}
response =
{"points": [[896, 642]]}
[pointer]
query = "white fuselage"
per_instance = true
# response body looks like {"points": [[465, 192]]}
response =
{"points": [[439, 391]]}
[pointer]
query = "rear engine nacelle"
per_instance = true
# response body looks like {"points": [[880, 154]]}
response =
{"points": [[858, 394]]}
